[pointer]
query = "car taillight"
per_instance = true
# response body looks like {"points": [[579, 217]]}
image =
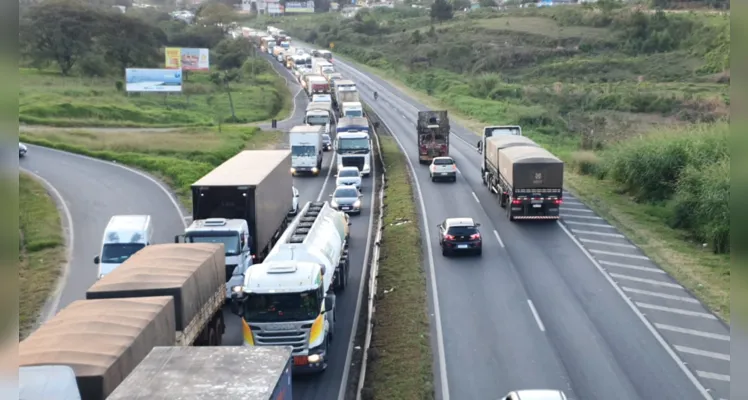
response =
{"points": [[557, 201], [449, 237], [515, 201], [475, 236], [454, 167]]}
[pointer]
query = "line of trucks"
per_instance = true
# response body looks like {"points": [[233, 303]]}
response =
{"points": [[150, 328], [334, 110]]}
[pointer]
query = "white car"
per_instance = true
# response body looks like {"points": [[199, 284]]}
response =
{"points": [[535, 394], [443, 168], [348, 176], [295, 203], [22, 149]]}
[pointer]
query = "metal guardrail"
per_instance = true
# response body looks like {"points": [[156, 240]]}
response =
{"points": [[373, 272]]}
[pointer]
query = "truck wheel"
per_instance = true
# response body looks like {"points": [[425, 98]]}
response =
{"points": [[502, 200]]}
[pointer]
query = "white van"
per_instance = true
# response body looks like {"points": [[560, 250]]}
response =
{"points": [[123, 237], [43, 382]]}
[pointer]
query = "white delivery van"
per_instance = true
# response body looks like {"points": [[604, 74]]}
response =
{"points": [[124, 236]]}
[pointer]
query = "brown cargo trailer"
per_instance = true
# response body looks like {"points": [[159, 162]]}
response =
{"points": [[101, 340], [193, 274], [490, 157], [530, 182], [433, 130], [255, 186]]}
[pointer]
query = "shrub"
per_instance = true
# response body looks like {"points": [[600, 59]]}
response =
{"points": [[586, 163]]}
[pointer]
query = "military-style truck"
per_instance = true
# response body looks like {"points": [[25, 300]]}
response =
{"points": [[527, 178], [433, 135], [233, 372]]}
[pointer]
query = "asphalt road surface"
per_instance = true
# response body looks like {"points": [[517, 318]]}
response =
{"points": [[94, 190], [539, 309]]}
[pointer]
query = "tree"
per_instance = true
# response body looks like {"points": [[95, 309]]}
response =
{"points": [[129, 42], [441, 11], [223, 80], [486, 3], [232, 53], [217, 14], [460, 4], [60, 31]]}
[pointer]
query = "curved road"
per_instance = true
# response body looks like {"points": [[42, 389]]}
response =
{"points": [[94, 190], [569, 305]]}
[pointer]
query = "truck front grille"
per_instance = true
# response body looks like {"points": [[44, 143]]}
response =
{"points": [[298, 339]]}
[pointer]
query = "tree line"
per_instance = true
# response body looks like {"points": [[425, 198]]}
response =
{"points": [[97, 40]]}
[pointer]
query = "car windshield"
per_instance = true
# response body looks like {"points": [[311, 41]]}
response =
{"points": [[317, 119], [326, 138], [353, 145], [348, 173], [443, 161], [117, 253], [303, 151], [230, 240], [354, 113], [462, 230], [346, 193], [277, 307]]}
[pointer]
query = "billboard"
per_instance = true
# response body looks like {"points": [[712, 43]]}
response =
{"points": [[153, 80], [299, 7], [187, 59]]}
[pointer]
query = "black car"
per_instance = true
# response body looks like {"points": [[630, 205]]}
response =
{"points": [[460, 235], [326, 142]]}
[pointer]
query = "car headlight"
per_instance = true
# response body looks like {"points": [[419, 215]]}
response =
{"points": [[357, 204], [314, 358], [293, 170], [315, 170]]}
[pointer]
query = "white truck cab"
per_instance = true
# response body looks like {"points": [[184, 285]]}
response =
{"points": [[306, 149], [234, 235], [124, 236], [352, 109]]}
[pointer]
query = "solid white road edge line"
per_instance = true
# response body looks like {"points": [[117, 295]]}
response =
{"points": [[327, 178], [432, 272], [475, 197], [678, 361], [536, 315], [161, 186], [50, 309], [496, 233]]}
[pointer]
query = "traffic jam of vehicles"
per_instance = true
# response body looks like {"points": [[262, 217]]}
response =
{"points": [[153, 320]]}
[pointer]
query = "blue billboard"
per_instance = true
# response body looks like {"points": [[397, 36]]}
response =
{"points": [[153, 80]]}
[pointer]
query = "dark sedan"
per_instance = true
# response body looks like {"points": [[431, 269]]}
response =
{"points": [[460, 235]]}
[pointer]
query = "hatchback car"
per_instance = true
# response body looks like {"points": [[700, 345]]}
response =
{"points": [[443, 168], [326, 142], [346, 199], [460, 235], [348, 176]]}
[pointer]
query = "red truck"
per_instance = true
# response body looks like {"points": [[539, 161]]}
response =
{"points": [[433, 135]]}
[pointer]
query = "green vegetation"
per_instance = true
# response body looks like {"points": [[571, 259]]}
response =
{"points": [[613, 91], [400, 355], [41, 250], [179, 157], [76, 78]]}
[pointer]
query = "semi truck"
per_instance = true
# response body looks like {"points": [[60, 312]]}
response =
{"points": [[101, 341], [344, 86], [244, 204], [527, 178], [306, 149], [433, 135], [257, 373], [497, 130], [193, 274], [316, 84], [289, 299], [353, 144]]}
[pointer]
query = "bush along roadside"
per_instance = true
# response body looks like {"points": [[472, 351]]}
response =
{"points": [[41, 250], [399, 359]]}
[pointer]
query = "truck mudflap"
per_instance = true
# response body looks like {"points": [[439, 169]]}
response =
{"points": [[547, 208]]}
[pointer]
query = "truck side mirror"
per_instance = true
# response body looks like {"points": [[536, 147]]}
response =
{"points": [[97, 260]]}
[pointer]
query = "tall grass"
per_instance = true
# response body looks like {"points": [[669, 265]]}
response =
{"points": [[686, 169]]}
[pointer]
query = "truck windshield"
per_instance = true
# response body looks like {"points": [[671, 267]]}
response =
{"points": [[354, 113], [230, 240], [358, 145], [303, 151], [502, 131], [317, 119], [117, 253], [281, 307]]}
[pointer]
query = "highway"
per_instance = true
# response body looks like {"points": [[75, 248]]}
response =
{"points": [[537, 310], [94, 190]]}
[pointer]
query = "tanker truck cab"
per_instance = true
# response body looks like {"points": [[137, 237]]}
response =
{"points": [[234, 235], [124, 236], [352, 109], [353, 144], [289, 300]]}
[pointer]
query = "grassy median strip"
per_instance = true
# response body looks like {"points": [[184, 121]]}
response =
{"points": [[41, 252], [400, 363], [179, 157]]}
